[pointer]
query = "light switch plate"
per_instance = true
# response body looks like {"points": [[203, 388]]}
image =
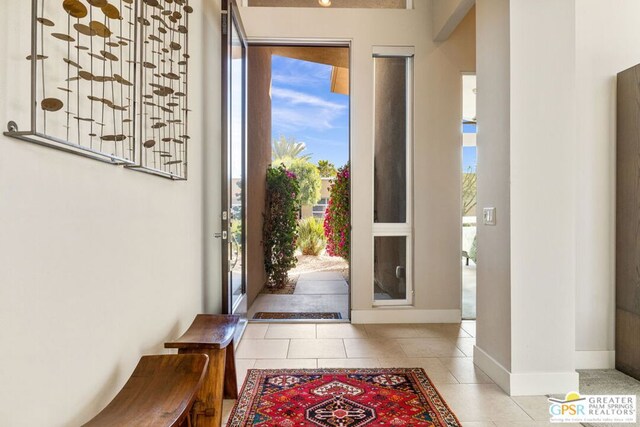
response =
{"points": [[489, 216]]}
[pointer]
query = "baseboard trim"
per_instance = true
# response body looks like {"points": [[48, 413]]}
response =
{"points": [[498, 373], [535, 384], [405, 315], [595, 359], [525, 384]]}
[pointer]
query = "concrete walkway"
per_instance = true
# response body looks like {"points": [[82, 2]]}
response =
{"points": [[315, 292], [468, 291]]}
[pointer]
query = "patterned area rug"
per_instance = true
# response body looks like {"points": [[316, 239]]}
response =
{"points": [[281, 315], [340, 398]]}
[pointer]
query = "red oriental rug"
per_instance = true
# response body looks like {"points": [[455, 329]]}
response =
{"points": [[340, 398]]}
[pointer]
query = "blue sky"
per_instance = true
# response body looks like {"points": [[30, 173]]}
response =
{"points": [[469, 154], [469, 159], [304, 107]]}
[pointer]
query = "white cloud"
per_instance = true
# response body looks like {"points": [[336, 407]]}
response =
{"points": [[300, 98], [295, 80], [294, 119]]}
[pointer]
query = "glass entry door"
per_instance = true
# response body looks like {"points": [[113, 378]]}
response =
{"points": [[234, 95]]}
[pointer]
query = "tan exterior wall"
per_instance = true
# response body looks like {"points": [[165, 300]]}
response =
{"points": [[258, 159], [307, 210]]}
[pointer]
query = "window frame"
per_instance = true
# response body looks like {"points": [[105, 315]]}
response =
{"points": [[397, 229]]}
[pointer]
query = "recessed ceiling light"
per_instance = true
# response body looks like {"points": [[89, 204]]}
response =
{"points": [[325, 3]]}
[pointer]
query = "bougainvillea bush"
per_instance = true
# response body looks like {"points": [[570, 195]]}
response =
{"points": [[280, 227], [337, 220]]}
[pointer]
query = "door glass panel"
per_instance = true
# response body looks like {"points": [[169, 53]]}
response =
{"points": [[390, 175], [390, 268], [236, 190]]}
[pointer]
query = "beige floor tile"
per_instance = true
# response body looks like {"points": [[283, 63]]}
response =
{"points": [[262, 349], [373, 347], [227, 406], [465, 371], [325, 348], [285, 364], [242, 365], [440, 380], [392, 331], [466, 345], [536, 406], [481, 402], [348, 363], [430, 347], [288, 330], [532, 424], [434, 330], [454, 329], [469, 326], [440, 330], [255, 331], [431, 364], [435, 370], [341, 330], [479, 424]]}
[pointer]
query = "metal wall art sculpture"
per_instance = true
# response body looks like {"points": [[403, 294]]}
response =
{"points": [[109, 82]]}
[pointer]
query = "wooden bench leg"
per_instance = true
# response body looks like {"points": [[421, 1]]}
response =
{"points": [[208, 407], [230, 379]]}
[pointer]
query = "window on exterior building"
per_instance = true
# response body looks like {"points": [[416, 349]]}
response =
{"points": [[320, 208]]}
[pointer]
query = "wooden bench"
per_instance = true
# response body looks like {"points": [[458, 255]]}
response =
{"points": [[212, 334], [159, 393]]}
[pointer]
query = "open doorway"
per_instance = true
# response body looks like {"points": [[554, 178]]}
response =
{"points": [[298, 117], [469, 196]]}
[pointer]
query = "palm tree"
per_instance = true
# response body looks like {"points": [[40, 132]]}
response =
{"points": [[326, 169], [284, 147]]}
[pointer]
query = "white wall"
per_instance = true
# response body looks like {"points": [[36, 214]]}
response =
{"points": [[606, 43], [99, 264], [534, 352], [437, 142], [493, 268], [543, 187]]}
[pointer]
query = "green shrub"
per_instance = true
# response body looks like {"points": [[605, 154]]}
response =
{"points": [[308, 177], [311, 239], [279, 228]]}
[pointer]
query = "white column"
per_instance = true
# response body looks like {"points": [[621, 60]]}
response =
{"points": [[540, 336]]}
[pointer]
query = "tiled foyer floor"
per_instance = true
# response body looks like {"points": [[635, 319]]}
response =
{"points": [[444, 351]]}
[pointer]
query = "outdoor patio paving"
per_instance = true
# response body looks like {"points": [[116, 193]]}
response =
{"points": [[469, 291], [315, 292]]}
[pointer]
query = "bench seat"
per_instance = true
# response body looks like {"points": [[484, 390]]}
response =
{"points": [[212, 334], [159, 393]]}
